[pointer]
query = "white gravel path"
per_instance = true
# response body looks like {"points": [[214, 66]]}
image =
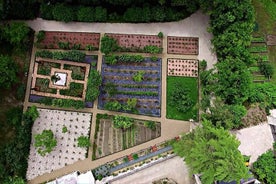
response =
{"points": [[194, 26], [255, 140], [66, 151]]}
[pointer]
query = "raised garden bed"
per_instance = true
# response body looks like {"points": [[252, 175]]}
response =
{"points": [[135, 42], [70, 40], [182, 67], [121, 82], [182, 45], [184, 90], [109, 140]]}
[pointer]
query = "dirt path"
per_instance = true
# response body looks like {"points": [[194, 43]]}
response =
{"points": [[194, 26]]}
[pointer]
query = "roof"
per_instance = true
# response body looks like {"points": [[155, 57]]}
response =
{"points": [[86, 178]]}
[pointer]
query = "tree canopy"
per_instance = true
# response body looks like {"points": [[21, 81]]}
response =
{"points": [[8, 70], [212, 152], [16, 33], [45, 142]]}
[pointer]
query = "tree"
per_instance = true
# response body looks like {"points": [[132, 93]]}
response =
{"points": [[100, 14], [83, 142], [122, 122], [14, 180], [212, 152], [85, 14], [265, 167], [8, 70], [45, 142], [32, 113], [16, 33]]}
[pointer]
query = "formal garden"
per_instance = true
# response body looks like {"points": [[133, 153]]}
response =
{"points": [[117, 133], [59, 138], [65, 79], [132, 84]]}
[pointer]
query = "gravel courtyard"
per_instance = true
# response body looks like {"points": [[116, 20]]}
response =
{"points": [[66, 152]]}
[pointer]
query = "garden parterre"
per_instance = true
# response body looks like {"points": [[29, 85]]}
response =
{"points": [[66, 152]]}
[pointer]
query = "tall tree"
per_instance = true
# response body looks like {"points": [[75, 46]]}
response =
{"points": [[16, 33], [212, 152], [8, 70]]}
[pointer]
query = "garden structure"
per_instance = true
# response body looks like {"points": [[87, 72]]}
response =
{"points": [[60, 79], [182, 67], [70, 40], [147, 89], [109, 140], [183, 45], [135, 42], [66, 152]]}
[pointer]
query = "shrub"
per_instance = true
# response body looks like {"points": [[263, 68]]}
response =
{"points": [[108, 45], [40, 36], [113, 106], [85, 14], [64, 13], [131, 104], [154, 58], [93, 84], [83, 141], [64, 45], [160, 35], [150, 124], [139, 76], [122, 122], [152, 49], [74, 55], [46, 11], [31, 113], [266, 69], [110, 59], [203, 65], [100, 14], [67, 103], [44, 54], [135, 156], [64, 129], [45, 142]]}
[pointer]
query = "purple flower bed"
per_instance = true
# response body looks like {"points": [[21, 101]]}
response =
{"points": [[121, 75], [35, 98]]}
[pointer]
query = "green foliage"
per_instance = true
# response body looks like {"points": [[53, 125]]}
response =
{"points": [[181, 98], [202, 65], [154, 58], [72, 55], [122, 122], [135, 156], [67, 103], [160, 35], [31, 113], [14, 180], [266, 69], [108, 45], [131, 104], [190, 92], [131, 58], [226, 116], [16, 33], [113, 106], [40, 36], [93, 84], [8, 70], [110, 89], [150, 124], [83, 142], [110, 59], [139, 76], [64, 45], [85, 14], [270, 7], [45, 142], [214, 153], [46, 11], [64, 129], [265, 167], [100, 14], [64, 13], [152, 49]]}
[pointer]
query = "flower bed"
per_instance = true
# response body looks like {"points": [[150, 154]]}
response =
{"points": [[182, 45], [135, 42], [121, 78], [182, 67], [109, 140], [70, 40], [66, 152]]}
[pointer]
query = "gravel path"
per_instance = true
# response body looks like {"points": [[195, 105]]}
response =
{"points": [[194, 26]]}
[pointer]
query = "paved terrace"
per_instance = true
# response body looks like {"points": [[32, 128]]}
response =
{"points": [[194, 26]]}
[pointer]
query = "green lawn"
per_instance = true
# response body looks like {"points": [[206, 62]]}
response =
{"points": [[190, 83]]}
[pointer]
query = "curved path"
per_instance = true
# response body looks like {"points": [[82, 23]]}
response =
{"points": [[194, 26]]}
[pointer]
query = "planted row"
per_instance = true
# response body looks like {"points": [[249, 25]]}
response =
{"points": [[67, 103], [72, 55]]}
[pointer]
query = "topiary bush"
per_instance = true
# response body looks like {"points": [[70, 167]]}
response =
{"points": [[83, 142], [45, 142]]}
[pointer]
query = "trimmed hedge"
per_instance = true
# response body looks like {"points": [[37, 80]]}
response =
{"points": [[72, 55]]}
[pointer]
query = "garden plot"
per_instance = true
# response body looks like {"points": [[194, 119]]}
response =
{"points": [[136, 42], [109, 140], [66, 152], [119, 85], [182, 67], [182, 45], [73, 40], [60, 79]]}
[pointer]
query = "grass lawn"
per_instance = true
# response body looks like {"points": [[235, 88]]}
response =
{"points": [[190, 83]]}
